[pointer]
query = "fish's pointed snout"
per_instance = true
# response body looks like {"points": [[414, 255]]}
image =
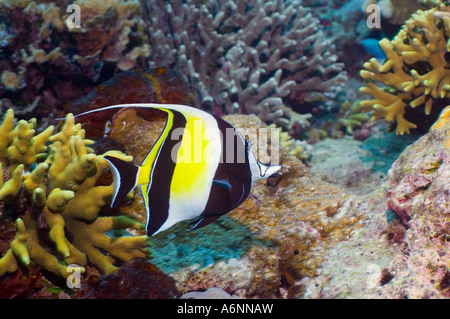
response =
{"points": [[267, 171]]}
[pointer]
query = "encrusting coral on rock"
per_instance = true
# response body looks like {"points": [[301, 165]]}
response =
{"points": [[136, 279], [160, 85], [414, 78], [46, 63], [54, 193], [402, 251], [396, 11], [247, 57]]}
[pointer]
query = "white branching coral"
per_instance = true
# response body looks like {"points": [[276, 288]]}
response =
{"points": [[246, 56]]}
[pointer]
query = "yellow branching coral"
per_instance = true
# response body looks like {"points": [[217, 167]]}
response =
{"points": [[61, 190], [415, 72], [18, 248], [351, 116], [27, 147], [433, 3], [5, 130], [294, 147]]}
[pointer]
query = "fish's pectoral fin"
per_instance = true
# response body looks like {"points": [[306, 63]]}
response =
{"points": [[239, 192], [204, 221], [225, 183], [125, 178]]}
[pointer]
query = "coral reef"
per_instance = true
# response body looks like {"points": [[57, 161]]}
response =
{"points": [[136, 279], [343, 162], [358, 164], [396, 11], [108, 28], [414, 77], [55, 194], [210, 293], [20, 286], [295, 147], [402, 252], [351, 117], [354, 212], [433, 3], [418, 194], [253, 57], [45, 63]]}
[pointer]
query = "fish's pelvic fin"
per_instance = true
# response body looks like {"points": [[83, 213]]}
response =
{"points": [[204, 221], [125, 178]]}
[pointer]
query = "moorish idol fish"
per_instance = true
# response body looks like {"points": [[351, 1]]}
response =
{"points": [[203, 175]]}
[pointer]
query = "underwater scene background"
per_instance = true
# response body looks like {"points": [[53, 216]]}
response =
{"points": [[358, 91]]}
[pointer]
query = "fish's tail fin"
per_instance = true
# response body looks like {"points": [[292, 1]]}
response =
{"points": [[125, 178]]}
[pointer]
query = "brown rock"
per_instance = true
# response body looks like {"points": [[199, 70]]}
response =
{"points": [[136, 279]]}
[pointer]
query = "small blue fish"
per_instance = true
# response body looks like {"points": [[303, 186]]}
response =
{"points": [[372, 47], [202, 175]]}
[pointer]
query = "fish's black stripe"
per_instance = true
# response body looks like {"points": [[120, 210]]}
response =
{"points": [[126, 173], [163, 170], [235, 168]]}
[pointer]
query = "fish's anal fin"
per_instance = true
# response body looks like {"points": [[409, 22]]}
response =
{"points": [[204, 221], [125, 178]]}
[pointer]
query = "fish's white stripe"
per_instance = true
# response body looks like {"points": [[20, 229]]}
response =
{"points": [[145, 196], [116, 182]]}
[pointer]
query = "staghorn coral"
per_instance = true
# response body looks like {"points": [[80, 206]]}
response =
{"points": [[59, 193], [46, 64], [415, 72], [249, 57]]}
